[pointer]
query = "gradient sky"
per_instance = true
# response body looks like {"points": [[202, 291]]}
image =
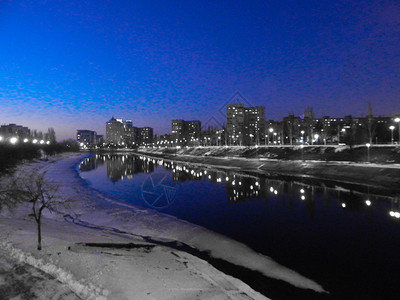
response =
{"points": [[75, 64]]}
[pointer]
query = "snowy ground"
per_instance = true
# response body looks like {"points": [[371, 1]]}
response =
{"points": [[97, 249]]}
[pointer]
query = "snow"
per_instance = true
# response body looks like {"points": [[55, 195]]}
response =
{"points": [[128, 273]]}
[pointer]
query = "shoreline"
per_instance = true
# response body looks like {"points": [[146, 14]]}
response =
{"points": [[77, 257], [381, 176], [87, 260]]}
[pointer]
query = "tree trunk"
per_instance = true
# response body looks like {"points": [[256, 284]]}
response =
{"points": [[39, 231]]}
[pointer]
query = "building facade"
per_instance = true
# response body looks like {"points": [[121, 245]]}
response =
{"points": [[245, 125], [13, 130], [123, 134], [185, 132], [88, 137]]}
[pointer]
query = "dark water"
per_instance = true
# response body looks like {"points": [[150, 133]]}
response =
{"points": [[346, 238]]}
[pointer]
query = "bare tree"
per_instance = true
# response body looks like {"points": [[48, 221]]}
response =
{"points": [[371, 124], [37, 190]]}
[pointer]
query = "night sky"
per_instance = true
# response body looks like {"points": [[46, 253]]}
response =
{"points": [[75, 64]]}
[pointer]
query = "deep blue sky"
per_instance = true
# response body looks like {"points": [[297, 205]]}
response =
{"points": [[75, 64]]}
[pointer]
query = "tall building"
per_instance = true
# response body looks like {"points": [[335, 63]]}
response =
{"points": [[178, 130], [132, 137], [184, 132], [123, 133], [245, 125], [14, 130], [146, 135], [193, 130], [235, 123], [254, 124], [115, 131]]}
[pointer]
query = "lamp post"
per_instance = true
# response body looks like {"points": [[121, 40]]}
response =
{"points": [[368, 145], [392, 128], [316, 137], [302, 144], [270, 130], [397, 120]]}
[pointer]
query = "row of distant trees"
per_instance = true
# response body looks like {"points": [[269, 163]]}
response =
{"points": [[10, 154]]}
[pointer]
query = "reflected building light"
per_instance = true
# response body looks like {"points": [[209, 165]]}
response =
{"points": [[205, 172], [227, 178], [368, 202], [251, 187], [271, 189], [209, 176], [303, 197], [276, 192], [302, 191], [344, 205], [256, 183], [240, 183], [233, 182]]}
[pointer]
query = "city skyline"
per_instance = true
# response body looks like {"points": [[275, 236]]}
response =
{"points": [[75, 65]]}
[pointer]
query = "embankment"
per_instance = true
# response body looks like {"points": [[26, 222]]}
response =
{"points": [[334, 163]]}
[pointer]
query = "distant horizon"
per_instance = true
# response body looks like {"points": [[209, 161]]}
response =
{"points": [[102, 131], [74, 64]]}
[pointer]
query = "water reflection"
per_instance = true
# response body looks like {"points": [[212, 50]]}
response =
{"points": [[241, 188]]}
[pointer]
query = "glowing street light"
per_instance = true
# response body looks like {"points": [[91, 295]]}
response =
{"points": [[35, 141], [397, 120], [368, 145], [392, 128], [316, 136], [270, 130], [13, 140], [26, 140], [302, 144]]}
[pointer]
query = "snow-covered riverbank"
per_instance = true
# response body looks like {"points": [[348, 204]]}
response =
{"points": [[99, 248]]}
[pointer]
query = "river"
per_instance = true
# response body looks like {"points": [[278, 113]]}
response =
{"points": [[345, 237]]}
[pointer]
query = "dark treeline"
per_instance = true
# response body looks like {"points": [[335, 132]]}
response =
{"points": [[10, 155]]}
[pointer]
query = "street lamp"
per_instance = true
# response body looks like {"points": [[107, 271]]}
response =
{"points": [[397, 120], [316, 136], [368, 145], [13, 140], [302, 144], [392, 128], [270, 130]]}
